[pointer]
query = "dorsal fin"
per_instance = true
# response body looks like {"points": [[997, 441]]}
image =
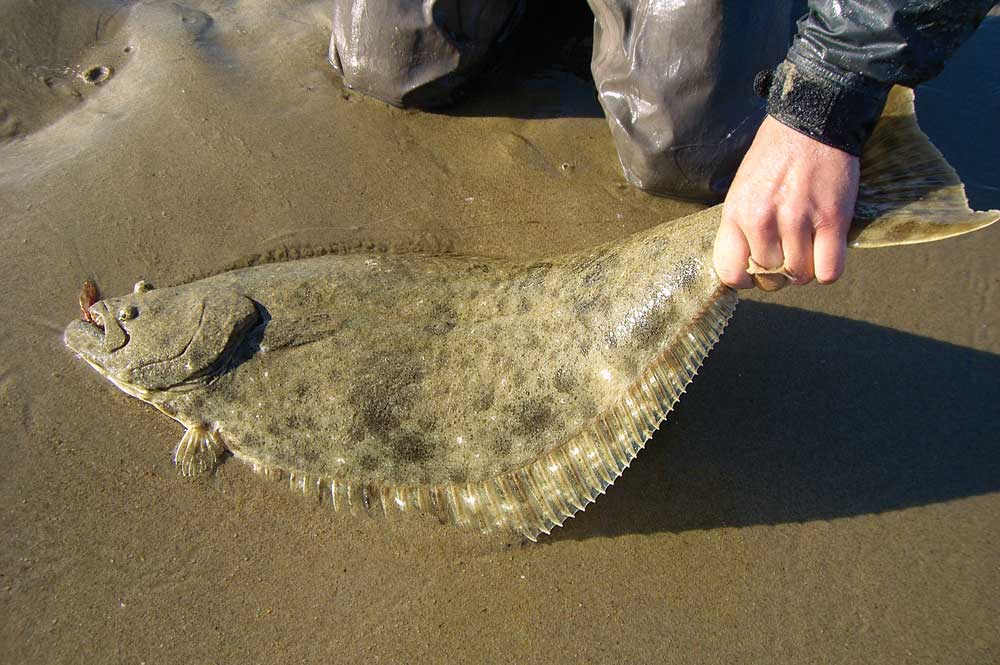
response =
{"points": [[283, 249]]}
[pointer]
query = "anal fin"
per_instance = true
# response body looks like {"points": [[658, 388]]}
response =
{"points": [[198, 451]]}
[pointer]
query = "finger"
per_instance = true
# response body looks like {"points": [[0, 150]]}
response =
{"points": [[730, 256], [761, 232], [797, 247], [829, 252]]}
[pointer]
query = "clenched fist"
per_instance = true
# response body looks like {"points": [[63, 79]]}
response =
{"points": [[788, 209]]}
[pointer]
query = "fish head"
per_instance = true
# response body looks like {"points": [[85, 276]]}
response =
{"points": [[156, 340]]}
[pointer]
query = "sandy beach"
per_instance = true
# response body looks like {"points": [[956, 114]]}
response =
{"points": [[827, 491]]}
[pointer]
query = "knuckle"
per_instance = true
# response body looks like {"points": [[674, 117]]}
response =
{"points": [[759, 225], [733, 277], [794, 224], [727, 275], [800, 270], [731, 211], [830, 218], [758, 214], [801, 279]]}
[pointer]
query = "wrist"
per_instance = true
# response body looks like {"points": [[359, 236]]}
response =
{"points": [[827, 106]]}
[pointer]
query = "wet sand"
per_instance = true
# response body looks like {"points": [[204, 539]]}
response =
{"points": [[828, 490]]}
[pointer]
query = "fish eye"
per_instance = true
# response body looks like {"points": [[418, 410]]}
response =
{"points": [[142, 286], [128, 312]]}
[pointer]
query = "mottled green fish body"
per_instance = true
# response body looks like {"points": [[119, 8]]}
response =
{"points": [[491, 393]]}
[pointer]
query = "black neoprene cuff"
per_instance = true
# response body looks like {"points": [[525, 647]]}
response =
{"points": [[833, 107]]}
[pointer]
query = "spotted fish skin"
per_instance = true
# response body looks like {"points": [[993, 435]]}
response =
{"points": [[422, 369], [492, 393]]}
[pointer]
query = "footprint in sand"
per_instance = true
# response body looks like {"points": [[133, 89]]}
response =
{"points": [[53, 59], [97, 75]]}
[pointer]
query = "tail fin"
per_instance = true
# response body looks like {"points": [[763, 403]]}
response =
{"points": [[909, 193]]}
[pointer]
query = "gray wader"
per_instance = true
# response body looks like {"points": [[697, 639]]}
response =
{"points": [[675, 78]]}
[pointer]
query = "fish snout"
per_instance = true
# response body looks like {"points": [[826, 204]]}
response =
{"points": [[101, 333]]}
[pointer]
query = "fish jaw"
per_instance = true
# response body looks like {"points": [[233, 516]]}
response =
{"points": [[87, 341]]}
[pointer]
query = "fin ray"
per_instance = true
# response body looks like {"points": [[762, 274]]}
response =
{"points": [[199, 451]]}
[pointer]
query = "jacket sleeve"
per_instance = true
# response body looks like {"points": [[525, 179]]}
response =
{"points": [[848, 54]]}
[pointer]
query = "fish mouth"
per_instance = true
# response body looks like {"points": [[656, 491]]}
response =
{"points": [[89, 341], [98, 336], [84, 337]]}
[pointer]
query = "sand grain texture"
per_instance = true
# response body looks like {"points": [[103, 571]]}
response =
{"points": [[827, 491]]}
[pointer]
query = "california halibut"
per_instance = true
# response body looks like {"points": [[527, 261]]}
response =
{"points": [[494, 394]]}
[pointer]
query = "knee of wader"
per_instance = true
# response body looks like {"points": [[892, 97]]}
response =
{"points": [[381, 73], [697, 173], [410, 56]]}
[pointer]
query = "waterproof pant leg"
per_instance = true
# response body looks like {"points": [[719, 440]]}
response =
{"points": [[416, 52], [675, 79]]}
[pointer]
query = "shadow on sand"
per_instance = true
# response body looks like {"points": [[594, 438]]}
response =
{"points": [[800, 416], [542, 70]]}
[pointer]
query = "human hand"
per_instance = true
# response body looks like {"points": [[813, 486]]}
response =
{"points": [[789, 208]]}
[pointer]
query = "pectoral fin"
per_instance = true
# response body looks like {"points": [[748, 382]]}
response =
{"points": [[199, 450]]}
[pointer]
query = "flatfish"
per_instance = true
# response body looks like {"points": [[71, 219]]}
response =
{"points": [[493, 394]]}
